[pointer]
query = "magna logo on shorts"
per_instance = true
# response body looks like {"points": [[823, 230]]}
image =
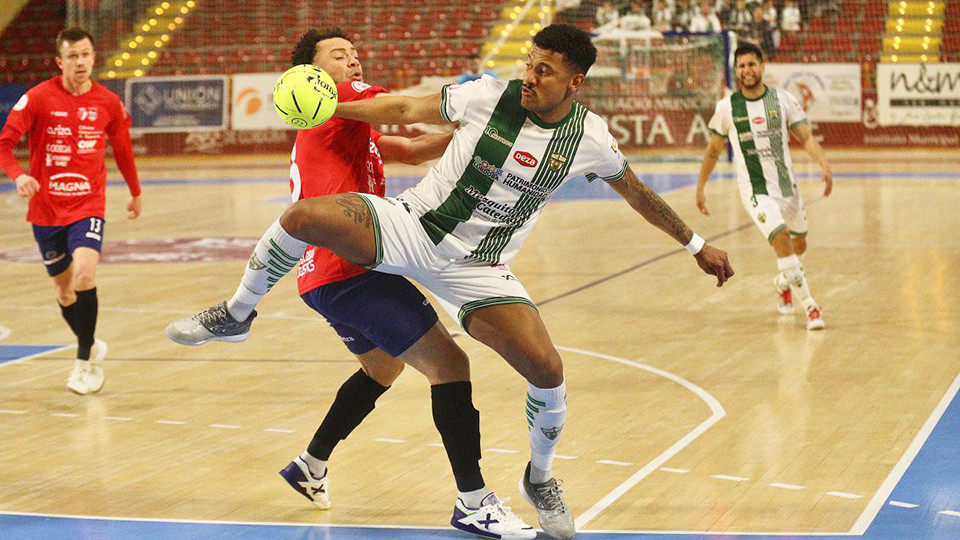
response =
{"points": [[525, 158]]}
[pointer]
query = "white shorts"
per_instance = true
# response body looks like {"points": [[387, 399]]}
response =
{"points": [[459, 285], [773, 214]]}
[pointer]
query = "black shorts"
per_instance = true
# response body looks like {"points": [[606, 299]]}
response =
{"points": [[374, 310], [57, 243]]}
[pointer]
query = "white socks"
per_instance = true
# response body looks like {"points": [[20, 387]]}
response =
{"points": [[318, 467], [273, 257], [473, 499], [791, 273], [546, 413]]}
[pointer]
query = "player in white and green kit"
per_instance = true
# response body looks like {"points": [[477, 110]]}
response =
{"points": [[758, 120], [457, 230]]}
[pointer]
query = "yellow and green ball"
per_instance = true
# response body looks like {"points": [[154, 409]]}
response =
{"points": [[305, 96]]}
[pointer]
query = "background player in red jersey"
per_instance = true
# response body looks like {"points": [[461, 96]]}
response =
{"points": [[67, 118], [382, 318]]}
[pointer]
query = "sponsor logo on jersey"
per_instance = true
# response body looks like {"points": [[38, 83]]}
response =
{"points": [[525, 158], [492, 132], [740, 118], [486, 168], [359, 86], [614, 147], [773, 114], [758, 120], [62, 114], [69, 184], [87, 113], [59, 131], [86, 144], [59, 149], [557, 161], [762, 217], [57, 160], [746, 136]]}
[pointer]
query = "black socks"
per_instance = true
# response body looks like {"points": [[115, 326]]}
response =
{"points": [[459, 425], [356, 399], [82, 318]]}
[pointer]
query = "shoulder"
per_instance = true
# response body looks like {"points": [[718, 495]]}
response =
{"points": [[594, 126], [354, 90]]}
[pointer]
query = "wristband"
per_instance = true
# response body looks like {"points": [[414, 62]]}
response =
{"points": [[695, 245]]}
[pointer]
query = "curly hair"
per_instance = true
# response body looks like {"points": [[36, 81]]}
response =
{"points": [[574, 44], [306, 48]]}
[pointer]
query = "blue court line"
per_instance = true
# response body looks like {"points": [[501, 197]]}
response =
{"points": [[13, 353]]}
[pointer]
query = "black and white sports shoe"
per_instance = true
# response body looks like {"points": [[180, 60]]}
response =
{"points": [[491, 520], [212, 324], [555, 518]]}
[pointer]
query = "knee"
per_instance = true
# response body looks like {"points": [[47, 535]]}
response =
{"points": [[799, 244], [295, 219], [546, 368], [84, 281], [66, 297], [385, 373]]}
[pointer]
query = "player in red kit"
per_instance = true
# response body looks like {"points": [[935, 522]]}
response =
{"points": [[383, 319], [68, 119]]}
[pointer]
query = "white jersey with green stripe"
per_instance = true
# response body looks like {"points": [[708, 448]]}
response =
{"points": [[759, 132], [481, 199]]}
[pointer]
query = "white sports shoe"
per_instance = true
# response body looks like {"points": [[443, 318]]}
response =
{"points": [[298, 475], [77, 381], [785, 304], [815, 318], [555, 517], [491, 520], [95, 375]]}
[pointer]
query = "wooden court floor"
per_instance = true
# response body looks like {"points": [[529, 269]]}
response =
{"points": [[691, 408]]}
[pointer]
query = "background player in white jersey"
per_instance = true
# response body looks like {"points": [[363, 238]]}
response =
{"points": [[758, 121], [455, 232]]}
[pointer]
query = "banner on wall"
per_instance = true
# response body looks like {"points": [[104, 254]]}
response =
{"points": [[827, 92], [918, 94], [252, 102], [9, 96], [173, 104]]}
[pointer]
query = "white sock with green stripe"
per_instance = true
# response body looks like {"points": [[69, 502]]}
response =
{"points": [[274, 256], [546, 413], [791, 273]]}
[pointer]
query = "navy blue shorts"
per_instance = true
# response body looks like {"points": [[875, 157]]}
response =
{"points": [[57, 243], [374, 310]]}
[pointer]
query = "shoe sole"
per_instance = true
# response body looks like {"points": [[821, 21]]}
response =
{"points": [[523, 493], [819, 326], [786, 310], [227, 339], [75, 391], [304, 495]]}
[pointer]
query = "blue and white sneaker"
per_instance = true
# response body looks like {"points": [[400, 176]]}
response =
{"points": [[298, 475], [491, 520]]}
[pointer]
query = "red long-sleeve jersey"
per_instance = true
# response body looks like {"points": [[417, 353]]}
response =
{"points": [[67, 137], [337, 157]]}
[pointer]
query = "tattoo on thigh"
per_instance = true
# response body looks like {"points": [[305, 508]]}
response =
{"points": [[357, 209]]}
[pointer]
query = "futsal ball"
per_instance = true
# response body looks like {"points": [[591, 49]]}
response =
{"points": [[305, 96]]}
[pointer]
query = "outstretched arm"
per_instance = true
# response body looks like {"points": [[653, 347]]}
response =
{"points": [[710, 158], [805, 136], [415, 150], [387, 109], [656, 211]]}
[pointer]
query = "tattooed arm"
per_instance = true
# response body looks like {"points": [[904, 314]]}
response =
{"points": [[656, 211]]}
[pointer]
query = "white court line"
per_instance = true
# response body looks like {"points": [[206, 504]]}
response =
{"points": [[439, 445], [64, 414], [730, 478], [903, 504], [38, 355], [224, 426], [558, 456], [278, 430], [392, 441], [949, 513], [792, 487], [876, 503], [844, 495], [502, 451], [4, 332], [10, 411], [170, 422], [675, 471], [611, 462], [117, 418], [716, 413]]}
